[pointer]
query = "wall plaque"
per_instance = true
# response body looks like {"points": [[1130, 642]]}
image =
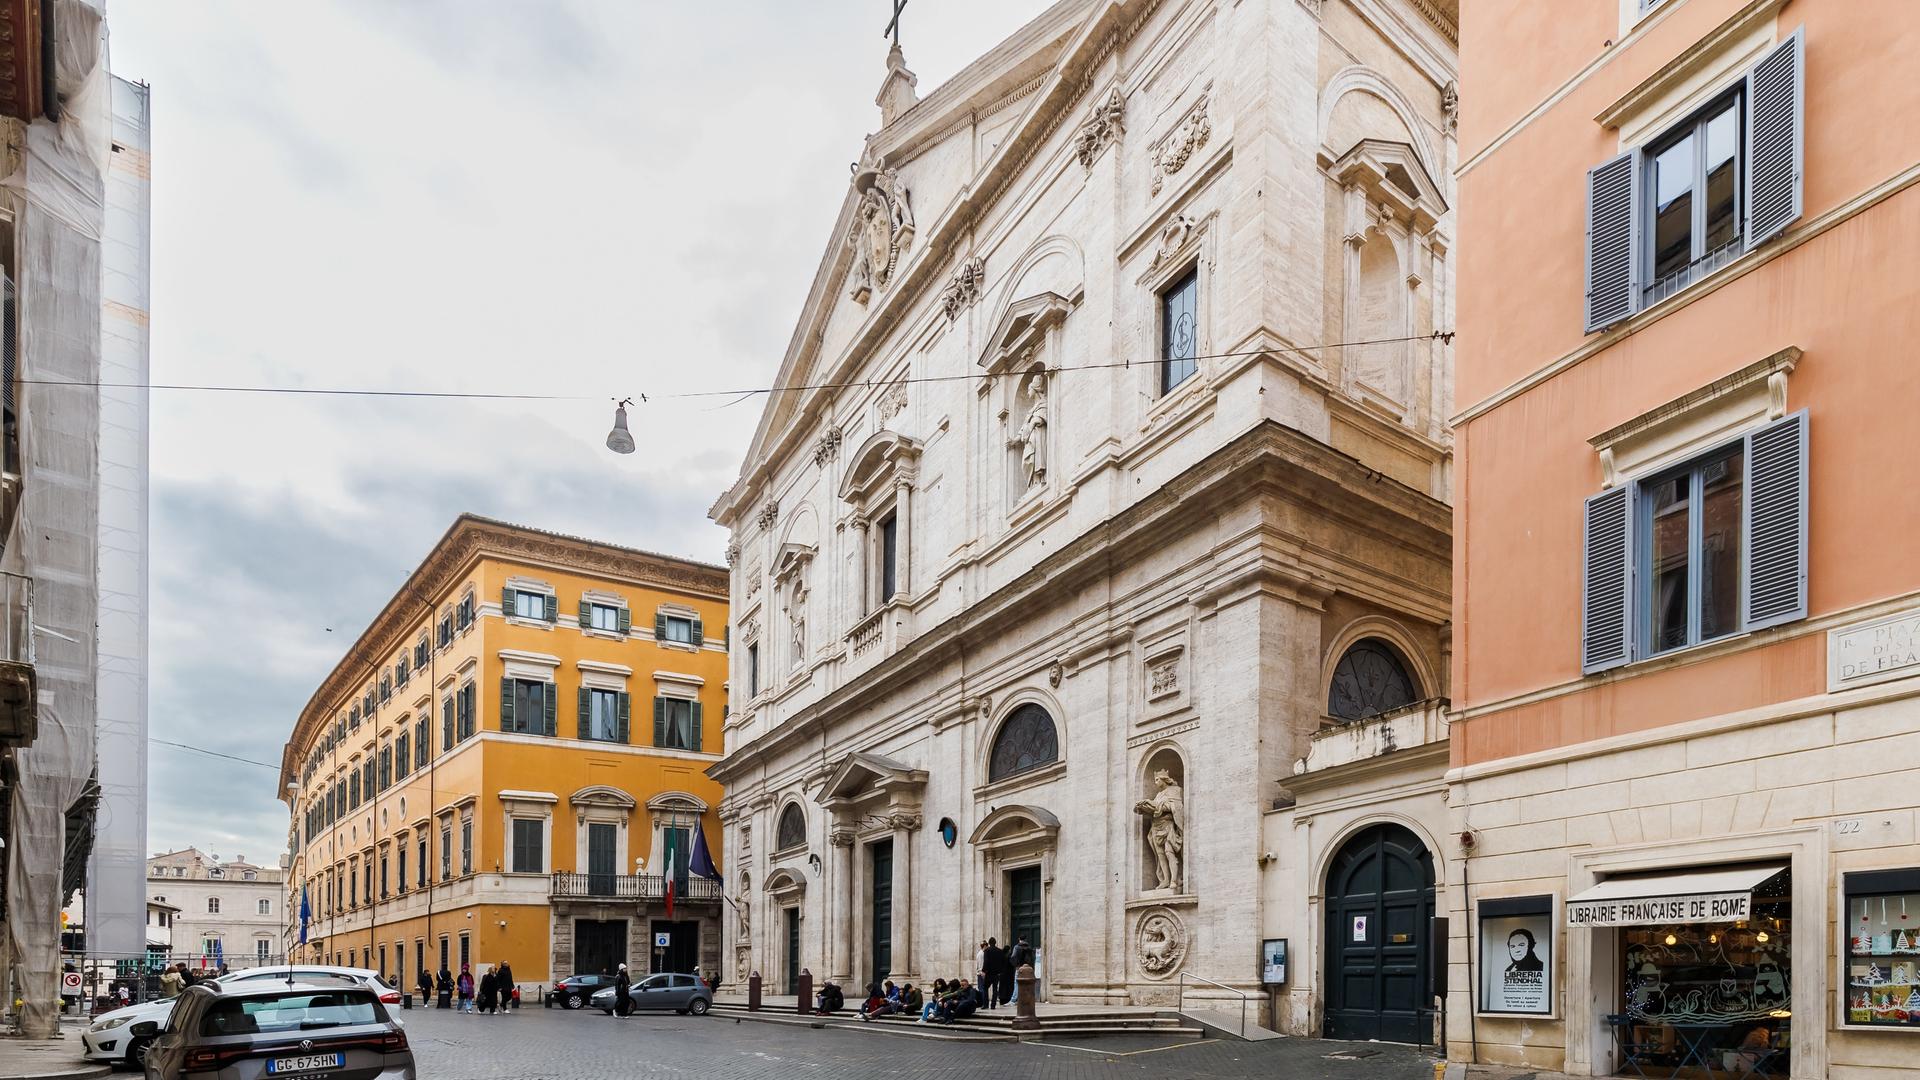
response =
{"points": [[1873, 652]]}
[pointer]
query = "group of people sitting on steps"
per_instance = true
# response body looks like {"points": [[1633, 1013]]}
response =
{"points": [[950, 1000]]}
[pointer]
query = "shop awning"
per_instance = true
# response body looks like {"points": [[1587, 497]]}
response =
{"points": [[1703, 895]]}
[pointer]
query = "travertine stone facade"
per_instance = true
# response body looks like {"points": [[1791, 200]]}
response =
{"points": [[1005, 511]]}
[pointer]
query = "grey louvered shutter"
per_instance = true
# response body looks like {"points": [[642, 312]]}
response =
{"points": [[553, 608], [585, 730], [626, 620], [586, 613], [659, 721], [506, 704], [1606, 601], [507, 600], [659, 626], [698, 637], [693, 735], [1774, 582], [620, 723], [1776, 103], [1613, 229], [550, 705]]}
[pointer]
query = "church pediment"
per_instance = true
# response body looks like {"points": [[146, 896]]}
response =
{"points": [[884, 454], [1391, 174], [863, 773], [1023, 326]]}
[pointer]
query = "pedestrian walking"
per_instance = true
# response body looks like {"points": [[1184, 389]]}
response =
{"points": [[425, 986], [466, 988], [171, 982], [509, 992], [444, 987], [622, 993], [1021, 955], [489, 992]]}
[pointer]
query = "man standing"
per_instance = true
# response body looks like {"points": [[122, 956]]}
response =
{"points": [[1021, 956], [999, 974], [622, 998]]}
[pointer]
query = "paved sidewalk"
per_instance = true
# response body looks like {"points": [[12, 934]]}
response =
{"points": [[47, 1059]]}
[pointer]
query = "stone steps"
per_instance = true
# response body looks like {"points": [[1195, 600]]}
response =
{"points": [[987, 1027]]}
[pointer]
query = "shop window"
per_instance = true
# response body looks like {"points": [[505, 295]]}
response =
{"points": [[1883, 948]]}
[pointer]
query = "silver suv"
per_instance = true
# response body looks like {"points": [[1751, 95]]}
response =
{"points": [[335, 1028]]}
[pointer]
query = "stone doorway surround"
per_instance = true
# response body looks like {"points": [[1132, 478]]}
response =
{"points": [[870, 797]]}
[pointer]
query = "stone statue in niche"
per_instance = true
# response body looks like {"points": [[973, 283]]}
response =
{"points": [[1031, 438], [797, 618], [1166, 815]]}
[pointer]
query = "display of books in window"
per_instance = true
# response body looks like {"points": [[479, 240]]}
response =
{"points": [[1883, 948]]}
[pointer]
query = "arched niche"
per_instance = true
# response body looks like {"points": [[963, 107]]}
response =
{"points": [[1161, 820]]}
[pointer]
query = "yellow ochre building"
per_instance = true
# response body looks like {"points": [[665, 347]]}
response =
{"points": [[508, 766]]}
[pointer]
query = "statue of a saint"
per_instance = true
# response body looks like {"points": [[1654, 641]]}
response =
{"points": [[1031, 439], [1166, 815]]}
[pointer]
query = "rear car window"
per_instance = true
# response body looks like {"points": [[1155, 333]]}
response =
{"points": [[293, 1011]]}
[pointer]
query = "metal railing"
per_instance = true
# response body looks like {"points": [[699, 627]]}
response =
{"points": [[569, 885], [1241, 994]]}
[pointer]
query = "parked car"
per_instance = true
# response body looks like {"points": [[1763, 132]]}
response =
{"points": [[681, 993], [574, 991], [263, 1028], [123, 1035]]}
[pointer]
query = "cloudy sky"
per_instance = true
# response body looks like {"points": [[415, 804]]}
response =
{"points": [[490, 196]]}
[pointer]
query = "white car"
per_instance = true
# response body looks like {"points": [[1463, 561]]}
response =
{"points": [[123, 1035]]}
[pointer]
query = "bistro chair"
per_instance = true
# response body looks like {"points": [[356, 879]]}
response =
{"points": [[1633, 1054]]}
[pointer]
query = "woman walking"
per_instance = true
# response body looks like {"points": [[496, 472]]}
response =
{"points": [[622, 985], [509, 993], [489, 991], [466, 989]]}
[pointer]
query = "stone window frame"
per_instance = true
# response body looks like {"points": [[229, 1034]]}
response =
{"points": [[879, 481], [990, 732], [1186, 244], [516, 805], [780, 854]]}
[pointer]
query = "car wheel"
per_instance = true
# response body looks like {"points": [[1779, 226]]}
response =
{"points": [[698, 1006], [574, 1001], [137, 1051]]}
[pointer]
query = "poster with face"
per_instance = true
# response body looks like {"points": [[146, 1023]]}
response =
{"points": [[1516, 969]]}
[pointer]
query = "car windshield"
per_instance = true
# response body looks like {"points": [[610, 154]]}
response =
{"points": [[293, 1011]]}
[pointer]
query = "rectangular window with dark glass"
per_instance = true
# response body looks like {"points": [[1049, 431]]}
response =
{"points": [[529, 708], [889, 553], [1690, 540], [466, 846], [468, 708], [1693, 183], [1179, 331], [676, 728], [528, 846], [603, 716], [753, 669], [422, 871]]}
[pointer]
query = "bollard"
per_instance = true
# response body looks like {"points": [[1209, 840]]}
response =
{"points": [[1024, 1018], [406, 1001], [753, 992], [804, 984]]}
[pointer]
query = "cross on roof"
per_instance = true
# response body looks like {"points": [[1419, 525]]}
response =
{"points": [[894, 26]]}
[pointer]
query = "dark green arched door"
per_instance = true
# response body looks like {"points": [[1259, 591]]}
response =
{"points": [[1379, 902]]}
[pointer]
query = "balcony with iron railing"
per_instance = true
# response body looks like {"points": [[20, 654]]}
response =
{"points": [[19, 716], [568, 885]]}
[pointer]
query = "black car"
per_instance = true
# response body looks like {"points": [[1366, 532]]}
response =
{"points": [[574, 991]]}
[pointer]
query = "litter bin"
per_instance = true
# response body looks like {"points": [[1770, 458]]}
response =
{"points": [[406, 1001]]}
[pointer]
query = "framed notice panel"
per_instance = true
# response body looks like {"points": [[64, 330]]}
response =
{"points": [[1273, 961], [1516, 955]]}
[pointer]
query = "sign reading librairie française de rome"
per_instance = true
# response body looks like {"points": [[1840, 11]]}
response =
{"points": [[1641, 911], [1873, 652]]}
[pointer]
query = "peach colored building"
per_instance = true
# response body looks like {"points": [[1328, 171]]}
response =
{"points": [[1685, 754]]}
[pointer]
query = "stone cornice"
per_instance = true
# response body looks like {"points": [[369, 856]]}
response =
{"points": [[468, 540], [1268, 457]]}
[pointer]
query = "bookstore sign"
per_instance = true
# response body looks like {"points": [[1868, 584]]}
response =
{"points": [[1698, 908]]}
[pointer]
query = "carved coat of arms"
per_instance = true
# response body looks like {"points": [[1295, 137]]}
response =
{"points": [[882, 226]]}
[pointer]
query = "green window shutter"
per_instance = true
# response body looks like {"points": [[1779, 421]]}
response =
{"points": [[659, 721], [506, 704], [586, 713], [550, 700], [625, 701], [693, 742], [553, 608], [506, 600], [697, 638], [659, 626], [586, 613], [626, 620]]}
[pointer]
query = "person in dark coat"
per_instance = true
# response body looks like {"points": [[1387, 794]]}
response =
{"points": [[509, 998], [999, 975], [489, 991], [622, 993], [1018, 957], [444, 989], [425, 986]]}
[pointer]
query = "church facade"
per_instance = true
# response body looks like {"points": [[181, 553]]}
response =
{"points": [[1107, 525]]}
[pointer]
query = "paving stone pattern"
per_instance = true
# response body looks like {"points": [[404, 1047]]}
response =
{"points": [[549, 1044]]}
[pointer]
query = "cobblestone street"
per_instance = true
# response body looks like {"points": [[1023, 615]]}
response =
{"points": [[537, 1044]]}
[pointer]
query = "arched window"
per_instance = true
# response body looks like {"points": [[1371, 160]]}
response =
{"points": [[213, 905], [792, 832], [1025, 742], [1370, 680]]}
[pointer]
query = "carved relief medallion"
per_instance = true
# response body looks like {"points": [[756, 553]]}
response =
{"points": [[1160, 942]]}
